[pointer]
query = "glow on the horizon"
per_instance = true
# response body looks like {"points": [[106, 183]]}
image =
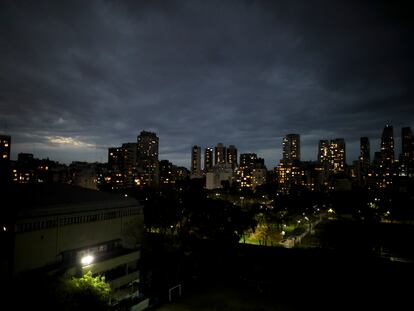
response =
{"points": [[68, 141]]}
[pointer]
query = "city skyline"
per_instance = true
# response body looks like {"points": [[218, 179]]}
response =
{"points": [[104, 158], [81, 77]]}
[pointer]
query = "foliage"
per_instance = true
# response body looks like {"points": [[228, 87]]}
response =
{"points": [[42, 291], [84, 293]]}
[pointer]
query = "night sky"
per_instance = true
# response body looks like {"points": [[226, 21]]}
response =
{"points": [[77, 77]]}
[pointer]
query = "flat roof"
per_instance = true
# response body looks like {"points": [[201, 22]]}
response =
{"points": [[43, 198]]}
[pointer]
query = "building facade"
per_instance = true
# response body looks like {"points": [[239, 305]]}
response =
{"points": [[232, 156], [291, 148], [147, 158], [220, 154], [56, 226], [5, 147], [208, 160], [196, 162]]}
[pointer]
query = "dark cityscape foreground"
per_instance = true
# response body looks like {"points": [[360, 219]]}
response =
{"points": [[233, 236]]}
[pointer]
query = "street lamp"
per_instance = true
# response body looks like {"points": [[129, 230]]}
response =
{"points": [[87, 260]]}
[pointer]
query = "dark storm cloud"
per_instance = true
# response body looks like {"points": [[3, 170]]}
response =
{"points": [[79, 76]]}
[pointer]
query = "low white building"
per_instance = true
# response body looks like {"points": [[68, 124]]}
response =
{"points": [[221, 174]]}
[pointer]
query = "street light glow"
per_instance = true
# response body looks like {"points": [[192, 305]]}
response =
{"points": [[87, 260]]}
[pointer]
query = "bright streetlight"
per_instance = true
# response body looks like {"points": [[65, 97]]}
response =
{"points": [[87, 260]]}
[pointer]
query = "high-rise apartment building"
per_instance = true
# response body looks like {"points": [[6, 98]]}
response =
{"points": [[134, 164], [407, 143], [332, 155], [129, 163], [115, 158], [148, 146], [251, 172], [208, 160], [129, 154], [5, 144], [407, 152], [387, 146], [387, 156], [337, 155], [364, 161], [364, 152], [291, 148], [248, 159], [196, 161], [324, 152], [167, 173], [220, 154], [147, 158], [232, 156]]}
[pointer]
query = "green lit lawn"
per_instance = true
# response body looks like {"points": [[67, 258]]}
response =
{"points": [[267, 236]]}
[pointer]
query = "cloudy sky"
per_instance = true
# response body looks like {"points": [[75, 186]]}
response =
{"points": [[79, 76]]}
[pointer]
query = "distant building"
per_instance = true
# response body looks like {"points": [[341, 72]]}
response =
{"points": [[387, 156], [115, 178], [364, 161], [220, 154], [84, 174], [332, 155], [252, 172], [232, 156], [134, 164], [167, 173], [337, 159], [324, 152], [129, 154], [245, 171], [220, 177], [259, 176], [182, 174], [290, 167], [62, 228], [147, 158], [129, 164], [28, 169], [407, 153], [148, 145], [364, 152], [407, 143], [248, 159], [5, 146], [290, 174], [196, 162], [291, 148], [208, 160], [115, 158]]}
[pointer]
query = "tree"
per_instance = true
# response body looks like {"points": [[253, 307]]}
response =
{"points": [[84, 293]]}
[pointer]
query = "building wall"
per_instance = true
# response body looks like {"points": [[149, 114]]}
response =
{"points": [[36, 247]]}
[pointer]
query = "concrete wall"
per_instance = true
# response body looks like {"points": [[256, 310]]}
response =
{"points": [[37, 248]]}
